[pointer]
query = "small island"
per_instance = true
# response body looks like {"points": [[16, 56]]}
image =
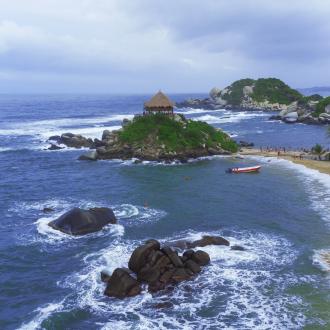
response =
{"points": [[158, 134], [266, 94]]}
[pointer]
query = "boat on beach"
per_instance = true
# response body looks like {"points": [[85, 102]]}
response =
{"points": [[250, 169]]}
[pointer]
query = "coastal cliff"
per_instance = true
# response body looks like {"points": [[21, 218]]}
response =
{"points": [[266, 94], [161, 138]]}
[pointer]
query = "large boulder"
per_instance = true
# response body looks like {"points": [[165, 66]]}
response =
{"points": [[324, 118], [80, 222], [140, 255], [327, 109], [90, 155], [291, 117], [215, 92], [155, 266], [121, 284]]}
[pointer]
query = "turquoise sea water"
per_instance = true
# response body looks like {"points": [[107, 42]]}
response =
{"points": [[281, 216]]}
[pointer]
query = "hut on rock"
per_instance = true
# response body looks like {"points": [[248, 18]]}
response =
{"points": [[159, 103]]}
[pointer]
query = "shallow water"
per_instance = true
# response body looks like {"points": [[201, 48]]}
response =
{"points": [[49, 280]]}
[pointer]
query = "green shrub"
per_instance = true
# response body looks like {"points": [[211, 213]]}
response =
{"points": [[176, 136], [320, 107], [275, 91]]}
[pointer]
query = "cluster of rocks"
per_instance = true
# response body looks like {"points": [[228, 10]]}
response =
{"points": [[295, 113], [291, 113], [70, 140], [158, 267], [81, 222]]}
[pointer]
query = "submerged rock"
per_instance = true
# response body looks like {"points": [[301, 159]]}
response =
{"points": [[209, 240], [47, 209], [81, 222], [54, 147], [204, 241], [155, 266]]}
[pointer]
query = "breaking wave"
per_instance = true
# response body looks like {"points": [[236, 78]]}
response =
{"points": [[236, 287]]}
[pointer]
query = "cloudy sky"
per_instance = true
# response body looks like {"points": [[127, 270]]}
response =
{"points": [[137, 46]]}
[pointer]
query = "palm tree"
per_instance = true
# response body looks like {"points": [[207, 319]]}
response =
{"points": [[317, 149]]}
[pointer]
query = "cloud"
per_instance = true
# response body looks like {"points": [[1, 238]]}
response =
{"points": [[142, 45]]}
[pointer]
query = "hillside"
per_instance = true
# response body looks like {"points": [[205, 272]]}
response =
{"points": [[265, 94]]}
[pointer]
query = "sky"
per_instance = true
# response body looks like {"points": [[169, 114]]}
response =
{"points": [[140, 46]]}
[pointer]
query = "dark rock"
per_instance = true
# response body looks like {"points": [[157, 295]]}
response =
{"points": [[48, 209], [75, 140], [154, 243], [98, 143], [106, 133], [245, 144], [275, 117], [91, 155], [121, 284], [154, 256], [54, 147], [156, 286], [193, 266], [166, 277], [201, 258], [139, 256], [180, 274], [162, 305], [81, 222], [55, 138], [188, 254], [148, 274], [105, 277], [237, 248], [162, 262], [175, 259], [208, 240]]}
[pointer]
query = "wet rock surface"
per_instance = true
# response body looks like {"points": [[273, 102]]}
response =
{"points": [[80, 222], [155, 266]]}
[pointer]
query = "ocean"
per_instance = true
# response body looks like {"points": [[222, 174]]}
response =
{"points": [[281, 216]]}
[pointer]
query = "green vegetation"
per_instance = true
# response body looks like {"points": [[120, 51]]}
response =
{"points": [[235, 94], [317, 149], [174, 135], [320, 107], [274, 91], [264, 89]]}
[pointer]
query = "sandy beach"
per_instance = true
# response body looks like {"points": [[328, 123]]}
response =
{"points": [[293, 156]]}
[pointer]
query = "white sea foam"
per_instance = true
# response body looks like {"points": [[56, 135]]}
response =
{"points": [[3, 149], [43, 129], [42, 314], [316, 184], [191, 111], [235, 287], [229, 117]]}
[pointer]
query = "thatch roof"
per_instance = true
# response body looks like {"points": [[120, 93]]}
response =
{"points": [[159, 100]]}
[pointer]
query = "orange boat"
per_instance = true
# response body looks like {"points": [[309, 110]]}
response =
{"points": [[250, 169]]}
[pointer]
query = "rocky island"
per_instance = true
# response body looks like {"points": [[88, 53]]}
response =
{"points": [[266, 94], [156, 135], [162, 138]]}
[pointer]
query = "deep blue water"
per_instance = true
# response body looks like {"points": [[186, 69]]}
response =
{"points": [[51, 281]]}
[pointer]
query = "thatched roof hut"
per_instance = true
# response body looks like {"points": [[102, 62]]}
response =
{"points": [[159, 103]]}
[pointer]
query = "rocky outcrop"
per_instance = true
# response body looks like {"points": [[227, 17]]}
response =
{"points": [[72, 140], [155, 266], [264, 95], [80, 222], [113, 147]]}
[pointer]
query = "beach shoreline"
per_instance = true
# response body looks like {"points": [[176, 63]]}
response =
{"points": [[292, 156]]}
